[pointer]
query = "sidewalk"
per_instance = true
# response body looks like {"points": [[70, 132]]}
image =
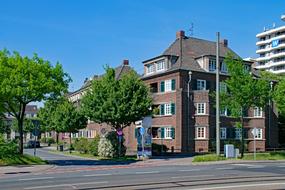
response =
{"points": [[24, 169]]}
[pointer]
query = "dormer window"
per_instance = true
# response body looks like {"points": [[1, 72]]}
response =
{"points": [[150, 69], [212, 65], [160, 65]]}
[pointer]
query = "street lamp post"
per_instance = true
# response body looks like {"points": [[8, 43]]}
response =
{"points": [[218, 95], [269, 114], [188, 109]]}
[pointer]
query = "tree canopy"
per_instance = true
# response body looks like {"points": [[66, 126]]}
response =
{"points": [[117, 102], [24, 80], [243, 90]]}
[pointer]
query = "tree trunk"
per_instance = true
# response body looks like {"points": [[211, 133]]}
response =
{"points": [[70, 143], [21, 143], [57, 140], [242, 138]]}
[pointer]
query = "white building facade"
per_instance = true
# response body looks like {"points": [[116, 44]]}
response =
{"points": [[271, 49]]}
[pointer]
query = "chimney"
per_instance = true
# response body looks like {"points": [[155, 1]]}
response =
{"points": [[125, 62], [224, 42], [180, 34]]}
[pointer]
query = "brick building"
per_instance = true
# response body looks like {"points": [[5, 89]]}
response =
{"points": [[181, 80]]}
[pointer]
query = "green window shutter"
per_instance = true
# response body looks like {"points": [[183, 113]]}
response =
{"points": [[172, 108], [162, 133], [173, 133], [208, 85], [173, 82], [162, 86], [136, 132], [162, 109], [194, 84]]}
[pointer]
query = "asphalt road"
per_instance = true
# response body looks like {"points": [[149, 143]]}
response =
{"points": [[150, 176]]}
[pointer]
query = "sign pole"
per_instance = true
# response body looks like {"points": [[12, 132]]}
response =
{"points": [[254, 143], [35, 146]]}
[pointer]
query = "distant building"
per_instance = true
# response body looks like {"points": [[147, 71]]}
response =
{"points": [[271, 49]]}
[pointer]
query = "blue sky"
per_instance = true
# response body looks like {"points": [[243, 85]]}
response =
{"points": [[84, 35]]}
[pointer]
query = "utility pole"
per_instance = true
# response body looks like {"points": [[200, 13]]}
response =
{"points": [[218, 95]]}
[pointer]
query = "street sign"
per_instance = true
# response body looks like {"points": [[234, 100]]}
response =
{"points": [[142, 131]]}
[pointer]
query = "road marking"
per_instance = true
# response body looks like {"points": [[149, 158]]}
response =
{"points": [[228, 168], [150, 172], [281, 166], [38, 178], [65, 185], [242, 164], [252, 167], [239, 186], [96, 175], [190, 170], [191, 176]]}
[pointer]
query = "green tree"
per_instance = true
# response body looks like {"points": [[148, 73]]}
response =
{"points": [[243, 92], [117, 102], [60, 115], [24, 80], [279, 95]]}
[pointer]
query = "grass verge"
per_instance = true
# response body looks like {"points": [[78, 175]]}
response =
{"points": [[21, 160], [247, 156]]}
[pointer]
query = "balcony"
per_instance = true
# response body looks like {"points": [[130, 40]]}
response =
{"points": [[259, 43], [264, 50]]}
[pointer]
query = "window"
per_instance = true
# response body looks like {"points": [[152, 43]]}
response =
{"points": [[149, 69], [224, 68], [258, 133], [160, 65], [224, 112], [257, 112], [167, 109], [201, 132], [212, 65], [201, 84], [223, 87], [201, 108], [168, 86], [167, 133], [223, 133], [237, 133]]}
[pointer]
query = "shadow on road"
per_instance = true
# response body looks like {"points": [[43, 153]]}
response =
{"points": [[79, 162]]}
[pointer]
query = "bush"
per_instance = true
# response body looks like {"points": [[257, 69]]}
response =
{"points": [[81, 145], [50, 141], [208, 157], [157, 148], [109, 146], [94, 146], [8, 149]]}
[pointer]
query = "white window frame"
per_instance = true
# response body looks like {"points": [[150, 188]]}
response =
{"points": [[160, 65], [150, 68], [224, 112], [238, 133], [201, 84], [200, 108], [224, 68], [223, 133], [223, 87], [257, 112], [259, 133], [212, 65], [167, 86], [200, 132], [167, 109], [167, 133]]}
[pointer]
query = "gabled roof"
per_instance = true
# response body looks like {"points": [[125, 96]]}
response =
{"points": [[119, 71], [193, 48]]}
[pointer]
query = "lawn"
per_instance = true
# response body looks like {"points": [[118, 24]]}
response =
{"points": [[21, 160], [247, 156]]}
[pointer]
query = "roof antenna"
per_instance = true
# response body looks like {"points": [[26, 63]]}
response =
{"points": [[191, 29]]}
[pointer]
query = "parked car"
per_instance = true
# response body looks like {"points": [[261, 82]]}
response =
{"points": [[31, 144]]}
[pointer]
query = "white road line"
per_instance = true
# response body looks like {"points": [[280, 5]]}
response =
{"points": [[252, 167], [191, 176], [281, 166], [96, 175], [150, 172], [242, 164], [190, 170], [65, 185], [38, 178], [228, 168], [239, 186]]}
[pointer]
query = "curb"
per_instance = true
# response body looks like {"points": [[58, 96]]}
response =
{"points": [[238, 162]]}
